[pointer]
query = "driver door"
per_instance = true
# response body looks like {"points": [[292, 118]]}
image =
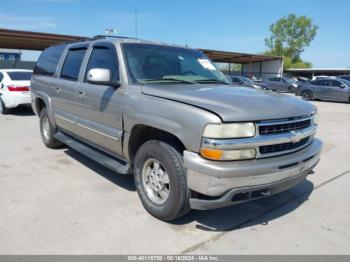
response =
{"points": [[100, 119]]}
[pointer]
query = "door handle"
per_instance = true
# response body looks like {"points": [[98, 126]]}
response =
{"points": [[81, 94]]}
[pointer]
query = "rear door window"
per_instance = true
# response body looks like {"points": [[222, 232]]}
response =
{"points": [[48, 61], [72, 64]]}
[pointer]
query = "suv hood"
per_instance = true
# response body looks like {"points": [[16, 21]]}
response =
{"points": [[233, 103]]}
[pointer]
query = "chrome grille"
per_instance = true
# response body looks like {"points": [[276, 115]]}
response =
{"points": [[283, 128], [283, 147]]}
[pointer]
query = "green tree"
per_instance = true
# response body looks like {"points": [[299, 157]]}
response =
{"points": [[289, 36]]}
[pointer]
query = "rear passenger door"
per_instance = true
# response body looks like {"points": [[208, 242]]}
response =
{"points": [[319, 89], [99, 120], [66, 107]]}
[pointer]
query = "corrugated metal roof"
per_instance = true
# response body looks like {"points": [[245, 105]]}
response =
{"points": [[15, 39]]}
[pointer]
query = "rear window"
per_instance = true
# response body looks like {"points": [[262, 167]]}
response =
{"points": [[71, 67], [20, 76], [48, 60]]}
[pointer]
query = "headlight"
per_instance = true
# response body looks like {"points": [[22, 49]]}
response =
{"points": [[316, 119], [237, 130], [215, 154]]}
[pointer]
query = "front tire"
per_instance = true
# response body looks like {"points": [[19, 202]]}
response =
{"points": [[3, 109], [47, 131], [160, 180]]}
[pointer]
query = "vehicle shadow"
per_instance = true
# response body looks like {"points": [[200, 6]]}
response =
{"points": [[21, 111], [219, 220], [124, 181], [331, 101], [251, 213]]}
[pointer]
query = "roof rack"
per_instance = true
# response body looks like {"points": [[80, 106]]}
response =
{"points": [[96, 37], [111, 36]]}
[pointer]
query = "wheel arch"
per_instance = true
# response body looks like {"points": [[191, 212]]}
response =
{"points": [[141, 133], [42, 100]]}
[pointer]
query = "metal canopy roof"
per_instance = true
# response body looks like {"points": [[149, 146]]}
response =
{"points": [[15, 39], [237, 58]]}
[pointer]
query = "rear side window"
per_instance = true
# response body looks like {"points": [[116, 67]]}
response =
{"points": [[104, 57], [71, 66], [48, 61], [317, 82], [20, 76]]}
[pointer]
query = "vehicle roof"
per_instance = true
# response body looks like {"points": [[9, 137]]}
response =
{"points": [[115, 40]]}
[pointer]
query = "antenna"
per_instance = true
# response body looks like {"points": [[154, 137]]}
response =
{"points": [[135, 13]]}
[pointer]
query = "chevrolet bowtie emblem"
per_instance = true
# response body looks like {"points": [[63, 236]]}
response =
{"points": [[296, 136]]}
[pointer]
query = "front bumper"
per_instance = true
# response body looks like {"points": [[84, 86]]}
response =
{"points": [[250, 179]]}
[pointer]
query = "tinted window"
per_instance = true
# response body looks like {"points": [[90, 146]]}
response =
{"points": [[235, 80], [48, 60], [103, 57], [334, 83], [274, 79], [317, 82], [20, 76], [71, 66]]}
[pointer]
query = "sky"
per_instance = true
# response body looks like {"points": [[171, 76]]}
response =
{"points": [[230, 25]]}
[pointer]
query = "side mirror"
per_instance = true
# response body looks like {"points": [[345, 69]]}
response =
{"points": [[1, 85], [342, 86], [101, 76]]}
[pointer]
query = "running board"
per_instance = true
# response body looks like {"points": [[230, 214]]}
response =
{"points": [[109, 161]]}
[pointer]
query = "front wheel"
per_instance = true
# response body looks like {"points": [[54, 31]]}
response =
{"points": [[47, 131], [160, 180]]}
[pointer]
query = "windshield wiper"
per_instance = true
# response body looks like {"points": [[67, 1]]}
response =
{"points": [[167, 79], [211, 80]]}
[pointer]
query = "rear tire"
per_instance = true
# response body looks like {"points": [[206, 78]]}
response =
{"points": [[47, 131], [291, 89], [307, 95], [3, 109], [160, 180]]}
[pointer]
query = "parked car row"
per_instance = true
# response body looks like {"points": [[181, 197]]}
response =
{"points": [[321, 87], [278, 84]]}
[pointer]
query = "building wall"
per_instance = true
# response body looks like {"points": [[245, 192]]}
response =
{"points": [[264, 69], [17, 65]]}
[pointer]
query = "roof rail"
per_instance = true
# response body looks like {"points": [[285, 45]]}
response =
{"points": [[112, 36]]}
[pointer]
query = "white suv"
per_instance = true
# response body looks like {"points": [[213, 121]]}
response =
{"points": [[14, 88]]}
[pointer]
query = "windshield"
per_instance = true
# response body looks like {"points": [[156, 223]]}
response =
{"points": [[150, 63], [20, 75], [347, 82]]}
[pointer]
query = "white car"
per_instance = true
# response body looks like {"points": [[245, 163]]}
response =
{"points": [[14, 88]]}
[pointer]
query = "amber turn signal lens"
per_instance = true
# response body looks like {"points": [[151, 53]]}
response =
{"points": [[212, 154]]}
